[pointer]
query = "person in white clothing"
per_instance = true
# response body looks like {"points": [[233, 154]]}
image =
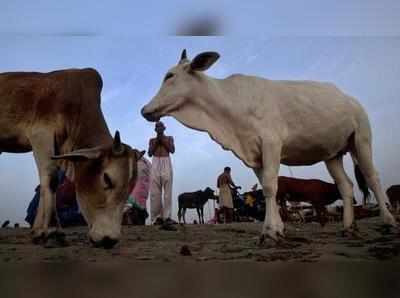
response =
{"points": [[161, 176]]}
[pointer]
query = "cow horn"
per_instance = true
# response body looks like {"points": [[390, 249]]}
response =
{"points": [[81, 154], [139, 154], [117, 147], [183, 56]]}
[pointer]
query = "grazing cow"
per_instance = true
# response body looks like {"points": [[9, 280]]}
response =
{"points": [[191, 200], [266, 123], [57, 115], [393, 193]]}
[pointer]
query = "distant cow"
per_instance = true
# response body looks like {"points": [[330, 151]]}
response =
{"points": [[57, 115], [191, 200], [268, 122], [316, 192], [393, 193]]}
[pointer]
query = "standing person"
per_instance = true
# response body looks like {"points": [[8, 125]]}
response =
{"points": [[224, 184], [160, 149]]}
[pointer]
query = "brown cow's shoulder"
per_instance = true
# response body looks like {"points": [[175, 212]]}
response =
{"points": [[67, 101]]}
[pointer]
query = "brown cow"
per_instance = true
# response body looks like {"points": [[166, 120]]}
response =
{"points": [[59, 113], [316, 192]]}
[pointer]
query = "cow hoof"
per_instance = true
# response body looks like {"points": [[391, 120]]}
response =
{"points": [[277, 237], [388, 229], [38, 237], [167, 227], [389, 220], [354, 227], [352, 232], [261, 240], [56, 239]]}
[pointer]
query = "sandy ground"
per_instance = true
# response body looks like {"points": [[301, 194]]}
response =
{"points": [[211, 243]]}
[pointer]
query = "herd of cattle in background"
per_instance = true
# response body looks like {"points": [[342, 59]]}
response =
{"points": [[320, 195], [248, 206], [57, 115]]}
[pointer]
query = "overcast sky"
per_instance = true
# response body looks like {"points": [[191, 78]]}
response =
{"points": [[353, 44]]}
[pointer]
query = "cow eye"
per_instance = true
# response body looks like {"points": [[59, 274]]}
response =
{"points": [[107, 181], [168, 76]]}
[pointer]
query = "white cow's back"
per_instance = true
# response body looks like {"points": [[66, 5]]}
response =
{"points": [[314, 120]]}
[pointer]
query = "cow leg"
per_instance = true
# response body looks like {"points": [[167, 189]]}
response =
{"points": [[47, 168], [198, 214], [201, 215], [324, 216], [319, 215], [363, 155], [302, 219], [343, 182], [179, 214], [183, 215], [268, 177]]}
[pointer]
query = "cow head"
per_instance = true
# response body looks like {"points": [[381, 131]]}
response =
{"points": [[103, 177], [209, 193], [183, 85]]}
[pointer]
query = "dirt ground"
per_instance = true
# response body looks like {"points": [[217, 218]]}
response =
{"points": [[210, 243]]}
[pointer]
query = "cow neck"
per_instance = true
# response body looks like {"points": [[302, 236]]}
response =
{"points": [[217, 112], [100, 136], [91, 129]]}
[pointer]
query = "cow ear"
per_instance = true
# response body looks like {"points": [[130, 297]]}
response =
{"points": [[203, 61], [79, 155], [117, 148]]}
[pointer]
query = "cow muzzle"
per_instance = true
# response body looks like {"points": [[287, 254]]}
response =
{"points": [[106, 242], [106, 237], [149, 115]]}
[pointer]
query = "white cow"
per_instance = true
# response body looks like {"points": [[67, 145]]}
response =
{"points": [[266, 123]]}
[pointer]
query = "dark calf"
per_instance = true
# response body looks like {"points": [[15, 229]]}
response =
{"points": [[194, 200]]}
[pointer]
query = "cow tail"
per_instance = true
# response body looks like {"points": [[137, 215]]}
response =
{"points": [[362, 183]]}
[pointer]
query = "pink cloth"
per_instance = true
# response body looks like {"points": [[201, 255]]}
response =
{"points": [[141, 190]]}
